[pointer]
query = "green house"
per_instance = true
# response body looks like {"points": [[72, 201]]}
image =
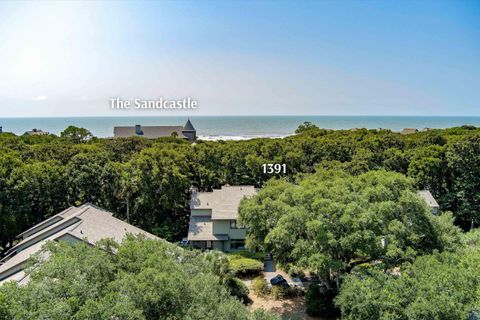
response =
{"points": [[213, 219]]}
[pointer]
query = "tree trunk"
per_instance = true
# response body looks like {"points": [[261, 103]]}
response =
{"points": [[128, 210]]}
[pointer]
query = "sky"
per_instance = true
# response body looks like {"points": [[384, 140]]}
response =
{"points": [[241, 57]]}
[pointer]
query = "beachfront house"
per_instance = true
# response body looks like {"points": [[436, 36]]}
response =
{"points": [[87, 223], [430, 200], [409, 131], [213, 219], [186, 132], [36, 132]]}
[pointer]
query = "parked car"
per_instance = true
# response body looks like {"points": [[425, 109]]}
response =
{"points": [[184, 242], [280, 281]]}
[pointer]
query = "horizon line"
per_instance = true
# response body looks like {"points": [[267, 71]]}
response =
{"points": [[242, 115]]}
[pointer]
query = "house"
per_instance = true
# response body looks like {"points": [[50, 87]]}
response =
{"points": [[430, 200], [409, 131], [85, 223], [213, 219], [187, 132], [36, 132]]}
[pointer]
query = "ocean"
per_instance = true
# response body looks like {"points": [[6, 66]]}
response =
{"points": [[236, 127]]}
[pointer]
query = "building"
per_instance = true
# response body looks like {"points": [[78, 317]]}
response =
{"points": [[409, 131], [85, 223], [187, 132], [36, 132], [213, 219], [430, 200]]}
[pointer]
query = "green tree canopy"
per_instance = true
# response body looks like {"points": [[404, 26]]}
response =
{"points": [[438, 286], [76, 135], [331, 221], [140, 279]]}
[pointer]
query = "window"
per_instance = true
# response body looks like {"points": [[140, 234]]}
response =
{"points": [[233, 224], [237, 244]]}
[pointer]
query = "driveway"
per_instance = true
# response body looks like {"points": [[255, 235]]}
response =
{"points": [[270, 271]]}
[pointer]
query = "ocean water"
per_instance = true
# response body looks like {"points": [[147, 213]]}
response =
{"points": [[236, 127]]}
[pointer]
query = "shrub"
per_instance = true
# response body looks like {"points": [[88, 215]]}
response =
{"points": [[244, 266], [319, 301], [260, 286], [237, 289], [279, 293], [248, 254]]}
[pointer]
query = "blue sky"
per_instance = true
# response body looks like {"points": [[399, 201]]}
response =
{"points": [[241, 57]]}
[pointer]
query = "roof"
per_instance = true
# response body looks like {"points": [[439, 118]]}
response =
{"points": [[151, 132], [223, 202], [409, 131], [188, 126], [87, 222], [35, 132], [200, 228], [429, 199]]}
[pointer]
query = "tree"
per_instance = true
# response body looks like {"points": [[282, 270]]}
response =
{"points": [[305, 127], [438, 286], [76, 135], [139, 279], [463, 160], [331, 221]]}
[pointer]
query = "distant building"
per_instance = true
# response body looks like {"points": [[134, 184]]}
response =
{"points": [[430, 200], [409, 131], [213, 219], [36, 132], [187, 132], [85, 223]]}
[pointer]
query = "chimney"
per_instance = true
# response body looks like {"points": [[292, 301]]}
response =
{"points": [[138, 129]]}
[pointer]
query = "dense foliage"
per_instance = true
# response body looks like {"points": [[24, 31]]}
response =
{"points": [[140, 279], [438, 286], [331, 221], [346, 209], [147, 181], [319, 301]]}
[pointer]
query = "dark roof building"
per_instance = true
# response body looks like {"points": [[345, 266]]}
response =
{"points": [[187, 132], [36, 132], [87, 223], [409, 131]]}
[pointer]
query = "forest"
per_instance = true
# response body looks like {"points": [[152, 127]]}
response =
{"points": [[345, 208]]}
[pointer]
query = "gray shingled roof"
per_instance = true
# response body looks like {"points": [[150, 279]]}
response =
{"points": [[188, 126], [200, 228], [429, 199], [151, 132], [87, 222], [223, 202]]}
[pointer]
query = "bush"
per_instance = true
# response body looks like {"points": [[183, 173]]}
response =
{"points": [[248, 254], [260, 286], [279, 292], [244, 266], [237, 289], [319, 301]]}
